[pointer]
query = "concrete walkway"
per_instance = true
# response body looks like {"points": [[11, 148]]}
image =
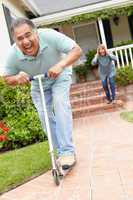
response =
{"points": [[105, 165]]}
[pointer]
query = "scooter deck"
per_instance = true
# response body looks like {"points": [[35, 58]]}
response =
{"points": [[63, 171]]}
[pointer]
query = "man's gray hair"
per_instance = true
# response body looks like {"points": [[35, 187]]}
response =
{"points": [[20, 21]]}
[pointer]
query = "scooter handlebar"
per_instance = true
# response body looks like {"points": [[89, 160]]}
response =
{"points": [[32, 78]]}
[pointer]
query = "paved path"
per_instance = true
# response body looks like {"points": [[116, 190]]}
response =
{"points": [[105, 165]]}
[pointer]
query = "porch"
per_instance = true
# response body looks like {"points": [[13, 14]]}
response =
{"points": [[112, 32]]}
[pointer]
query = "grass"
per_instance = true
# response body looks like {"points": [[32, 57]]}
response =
{"points": [[128, 116], [19, 166]]}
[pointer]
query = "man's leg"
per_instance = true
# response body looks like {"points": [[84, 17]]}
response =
{"points": [[112, 87], [36, 97], [106, 89], [63, 115]]}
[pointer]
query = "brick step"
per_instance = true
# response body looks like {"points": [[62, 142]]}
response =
{"points": [[92, 100], [89, 84], [86, 91], [96, 109]]}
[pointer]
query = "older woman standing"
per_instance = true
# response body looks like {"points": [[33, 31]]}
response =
{"points": [[106, 68]]}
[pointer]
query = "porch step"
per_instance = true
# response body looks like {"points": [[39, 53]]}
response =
{"points": [[92, 100], [86, 91], [89, 99], [88, 84], [96, 109]]}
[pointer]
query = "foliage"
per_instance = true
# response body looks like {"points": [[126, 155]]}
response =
{"points": [[128, 116], [19, 166], [124, 76], [89, 56], [122, 43], [81, 72], [18, 112]]}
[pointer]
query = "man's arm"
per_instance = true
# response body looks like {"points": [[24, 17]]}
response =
{"points": [[12, 74], [19, 79], [72, 56]]}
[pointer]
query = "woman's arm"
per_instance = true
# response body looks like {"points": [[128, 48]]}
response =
{"points": [[112, 56], [95, 60]]}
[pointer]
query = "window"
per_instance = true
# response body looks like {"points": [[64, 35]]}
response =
{"points": [[86, 35], [9, 17]]}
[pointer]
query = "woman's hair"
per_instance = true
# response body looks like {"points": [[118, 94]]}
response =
{"points": [[101, 46], [20, 21]]}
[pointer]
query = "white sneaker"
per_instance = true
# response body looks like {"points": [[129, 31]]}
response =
{"points": [[108, 101], [114, 101], [67, 161]]}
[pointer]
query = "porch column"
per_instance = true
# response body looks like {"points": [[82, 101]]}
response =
{"points": [[4, 37], [102, 33]]}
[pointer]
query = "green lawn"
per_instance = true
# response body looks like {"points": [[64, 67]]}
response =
{"points": [[128, 116], [19, 166]]}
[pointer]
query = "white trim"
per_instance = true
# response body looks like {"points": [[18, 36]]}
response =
{"points": [[65, 15], [103, 37]]}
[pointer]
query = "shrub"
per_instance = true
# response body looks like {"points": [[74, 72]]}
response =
{"points": [[124, 76], [19, 114], [81, 72], [89, 56], [122, 43]]}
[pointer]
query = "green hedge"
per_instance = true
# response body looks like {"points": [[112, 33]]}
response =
{"points": [[124, 76], [19, 114], [122, 43]]}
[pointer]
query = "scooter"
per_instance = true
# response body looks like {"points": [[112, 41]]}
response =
{"points": [[57, 171]]}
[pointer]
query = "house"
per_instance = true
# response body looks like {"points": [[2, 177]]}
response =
{"points": [[89, 22]]}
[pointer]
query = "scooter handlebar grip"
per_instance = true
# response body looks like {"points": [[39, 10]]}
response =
{"points": [[45, 75], [31, 78]]}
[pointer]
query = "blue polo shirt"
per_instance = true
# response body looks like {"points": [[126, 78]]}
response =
{"points": [[52, 47]]}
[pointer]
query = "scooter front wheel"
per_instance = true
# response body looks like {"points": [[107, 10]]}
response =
{"points": [[56, 177]]}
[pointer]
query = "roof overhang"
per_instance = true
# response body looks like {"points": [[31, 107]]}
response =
{"points": [[30, 7], [66, 15]]}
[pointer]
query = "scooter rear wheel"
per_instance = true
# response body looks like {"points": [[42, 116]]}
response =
{"points": [[56, 177]]}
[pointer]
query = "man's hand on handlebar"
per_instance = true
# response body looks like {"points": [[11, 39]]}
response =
{"points": [[19, 79], [54, 71]]}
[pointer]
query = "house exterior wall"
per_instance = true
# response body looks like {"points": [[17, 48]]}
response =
{"points": [[67, 29], [121, 31]]}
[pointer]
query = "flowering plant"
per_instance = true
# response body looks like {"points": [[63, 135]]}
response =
{"points": [[3, 131]]}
